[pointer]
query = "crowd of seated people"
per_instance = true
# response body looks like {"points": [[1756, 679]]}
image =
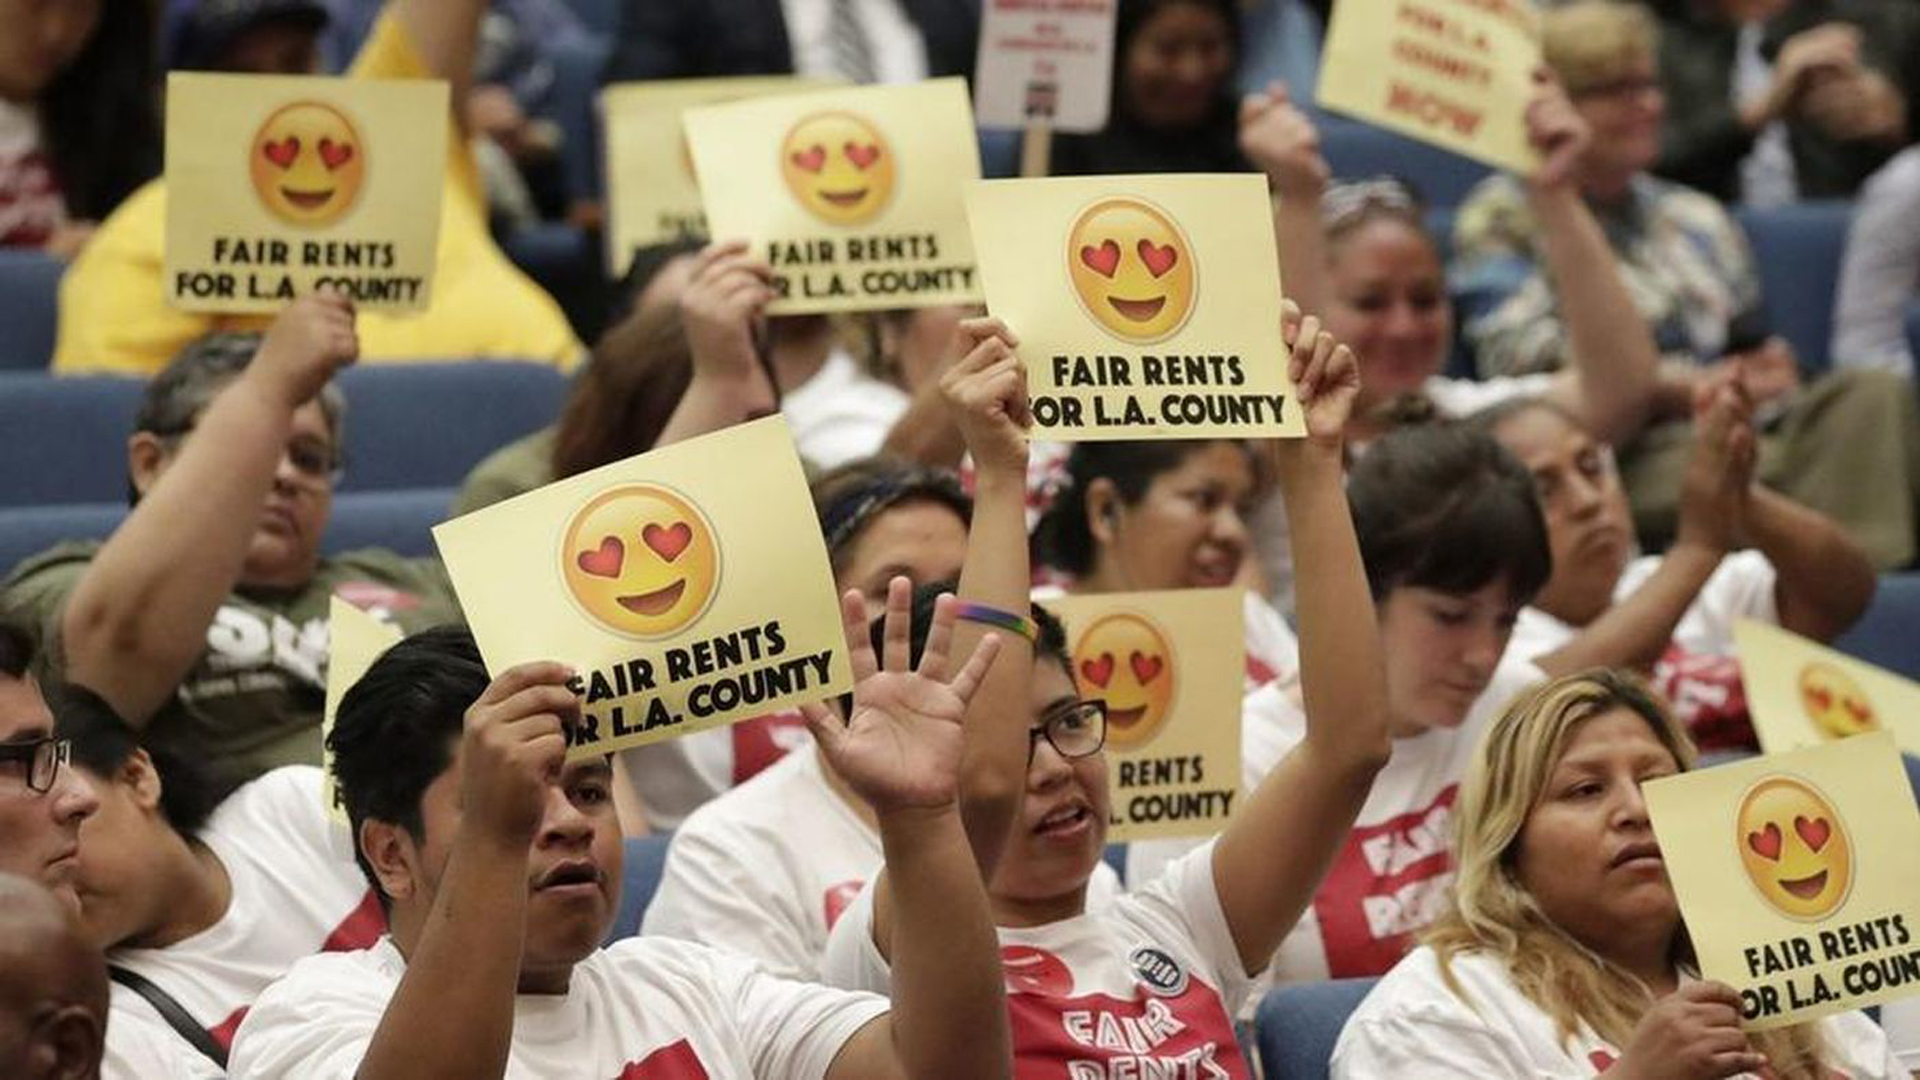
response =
{"points": [[1554, 452]]}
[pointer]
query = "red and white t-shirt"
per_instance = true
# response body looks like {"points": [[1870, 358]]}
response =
{"points": [[142, 1047], [296, 892], [1699, 673], [678, 776], [1390, 878], [644, 1009], [1414, 1024], [31, 207], [1147, 986]]}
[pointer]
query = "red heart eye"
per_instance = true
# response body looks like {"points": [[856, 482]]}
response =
{"points": [[1820, 696], [811, 159], [334, 154], [1098, 672], [283, 152], [1859, 710], [668, 542], [1766, 842], [862, 156], [1145, 668], [605, 560], [1159, 259], [1102, 260], [1815, 832]]}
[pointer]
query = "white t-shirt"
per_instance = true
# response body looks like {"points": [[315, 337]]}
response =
{"points": [[1901, 1020], [1698, 673], [642, 1009], [1146, 987], [1458, 399], [675, 777], [842, 413], [296, 892], [1273, 651], [1413, 1024], [1391, 877], [141, 1047]]}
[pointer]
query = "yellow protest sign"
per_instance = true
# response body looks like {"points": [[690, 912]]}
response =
{"points": [[1172, 686], [278, 185], [652, 196], [1801, 693], [355, 640], [852, 194], [1146, 306], [1799, 876], [1454, 73], [689, 586]]}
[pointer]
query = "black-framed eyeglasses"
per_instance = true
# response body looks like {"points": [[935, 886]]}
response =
{"points": [[42, 757], [1076, 729]]}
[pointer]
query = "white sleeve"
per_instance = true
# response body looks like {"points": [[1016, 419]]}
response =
{"points": [[1148, 859], [1866, 1050], [1901, 1020], [852, 960], [140, 1046], [789, 1028], [1182, 903], [1400, 1044], [318, 1022], [1271, 724], [1742, 588], [708, 893]]}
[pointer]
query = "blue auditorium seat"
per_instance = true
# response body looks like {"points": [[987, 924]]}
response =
{"points": [[601, 16], [646, 860], [1886, 634], [1913, 329], [29, 309], [1358, 151], [66, 438], [29, 530], [567, 263], [1297, 1026], [1798, 250], [427, 425], [399, 521]]}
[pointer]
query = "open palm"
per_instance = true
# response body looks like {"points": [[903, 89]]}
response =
{"points": [[903, 744]]}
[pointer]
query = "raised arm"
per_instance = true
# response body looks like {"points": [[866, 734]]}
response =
{"points": [[721, 308], [447, 35], [986, 396], [901, 751], [452, 1015], [1612, 364], [137, 620], [1282, 141], [1823, 582], [1269, 861]]}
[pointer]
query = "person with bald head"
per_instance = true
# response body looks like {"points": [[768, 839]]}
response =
{"points": [[53, 987], [42, 801]]}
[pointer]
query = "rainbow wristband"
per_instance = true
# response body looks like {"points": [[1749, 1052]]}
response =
{"points": [[993, 616]]}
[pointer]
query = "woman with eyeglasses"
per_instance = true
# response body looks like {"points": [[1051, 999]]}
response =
{"points": [[203, 618], [1694, 285], [1149, 985], [1673, 614], [1561, 952]]}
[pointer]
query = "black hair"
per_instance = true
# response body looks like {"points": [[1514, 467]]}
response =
{"points": [[397, 727], [1063, 539], [98, 115], [848, 497], [1446, 507], [1050, 642], [1135, 14], [103, 742], [16, 649]]}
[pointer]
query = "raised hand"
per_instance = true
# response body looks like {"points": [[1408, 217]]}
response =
{"points": [[1282, 141], [901, 749], [729, 290], [985, 392], [1715, 487], [309, 341], [1556, 130], [511, 748], [1325, 374]]}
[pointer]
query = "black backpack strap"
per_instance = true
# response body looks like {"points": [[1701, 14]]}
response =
{"points": [[171, 1011]]}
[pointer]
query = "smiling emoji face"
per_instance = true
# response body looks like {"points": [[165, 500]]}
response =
{"points": [[1132, 269], [1795, 848], [307, 163], [1125, 661], [641, 561], [839, 166], [1834, 702]]}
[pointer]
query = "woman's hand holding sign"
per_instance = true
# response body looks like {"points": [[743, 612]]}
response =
{"points": [[986, 393], [1691, 1034]]}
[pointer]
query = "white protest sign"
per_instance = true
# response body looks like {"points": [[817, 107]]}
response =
{"points": [[1045, 61]]}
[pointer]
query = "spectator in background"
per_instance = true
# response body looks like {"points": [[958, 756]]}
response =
{"points": [[1880, 276], [53, 988], [862, 41], [79, 130], [261, 36], [1778, 100], [203, 618], [43, 801], [113, 317], [1847, 445]]}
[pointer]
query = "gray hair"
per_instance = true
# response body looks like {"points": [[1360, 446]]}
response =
{"points": [[175, 398]]}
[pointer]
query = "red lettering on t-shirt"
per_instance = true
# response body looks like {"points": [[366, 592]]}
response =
{"points": [[763, 740], [1034, 971], [674, 1062], [1708, 696], [1102, 1036], [1387, 882], [360, 929], [1259, 672], [374, 598], [837, 899], [1601, 1060]]}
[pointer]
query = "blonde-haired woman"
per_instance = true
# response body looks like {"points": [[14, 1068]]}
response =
{"points": [[1563, 953]]}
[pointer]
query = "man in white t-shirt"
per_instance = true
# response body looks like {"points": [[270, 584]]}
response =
{"points": [[500, 864], [1675, 613]]}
